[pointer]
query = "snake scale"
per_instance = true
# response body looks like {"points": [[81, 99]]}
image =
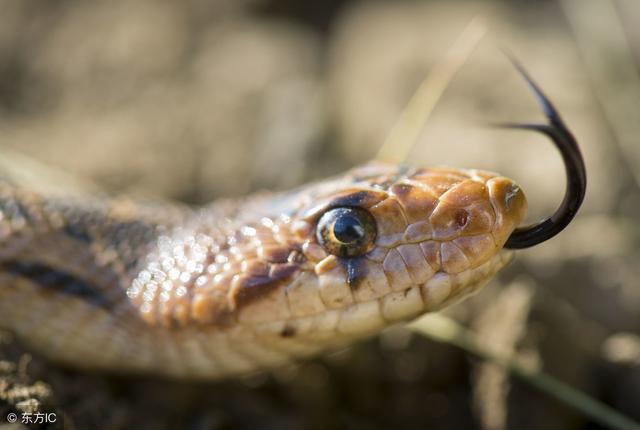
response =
{"points": [[245, 285]]}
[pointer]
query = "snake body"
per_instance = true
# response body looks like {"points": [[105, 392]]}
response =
{"points": [[241, 286]]}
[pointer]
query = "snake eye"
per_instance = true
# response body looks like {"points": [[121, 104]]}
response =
{"points": [[346, 231]]}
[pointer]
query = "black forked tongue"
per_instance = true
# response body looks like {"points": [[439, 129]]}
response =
{"points": [[525, 237]]}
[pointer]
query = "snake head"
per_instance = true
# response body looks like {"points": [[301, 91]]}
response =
{"points": [[405, 241]]}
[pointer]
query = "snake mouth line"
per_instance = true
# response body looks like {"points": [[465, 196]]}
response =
{"points": [[367, 317]]}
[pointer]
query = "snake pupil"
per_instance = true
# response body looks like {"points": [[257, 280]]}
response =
{"points": [[348, 229]]}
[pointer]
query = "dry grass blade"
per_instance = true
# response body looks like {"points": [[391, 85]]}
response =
{"points": [[405, 132], [443, 329]]}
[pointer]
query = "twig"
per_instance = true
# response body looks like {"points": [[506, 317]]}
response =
{"points": [[446, 330]]}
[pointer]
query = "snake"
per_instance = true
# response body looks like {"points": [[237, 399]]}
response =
{"points": [[245, 285]]}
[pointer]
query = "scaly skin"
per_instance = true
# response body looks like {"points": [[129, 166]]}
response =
{"points": [[242, 286]]}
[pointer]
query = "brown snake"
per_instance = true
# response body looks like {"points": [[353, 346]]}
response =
{"points": [[240, 286]]}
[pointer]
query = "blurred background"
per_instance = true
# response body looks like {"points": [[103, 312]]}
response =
{"points": [[197, 100]]}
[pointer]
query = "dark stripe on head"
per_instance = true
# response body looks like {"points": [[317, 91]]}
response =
{"points": [[356, 270], [254, 287], [350, 198]]}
